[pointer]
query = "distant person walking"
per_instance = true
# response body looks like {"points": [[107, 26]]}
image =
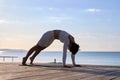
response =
{"points": [[47, 39]]}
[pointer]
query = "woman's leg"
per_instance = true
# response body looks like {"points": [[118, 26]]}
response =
{"points": [[28, 54], [36, 53]]}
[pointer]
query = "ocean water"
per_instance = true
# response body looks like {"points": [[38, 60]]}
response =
{"points": [[84, 58]]}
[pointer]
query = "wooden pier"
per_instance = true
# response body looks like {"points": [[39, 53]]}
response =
{"points": [[55, 71], [12, 57]]}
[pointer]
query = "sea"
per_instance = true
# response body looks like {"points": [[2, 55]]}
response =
{"points": [[82, 57]]}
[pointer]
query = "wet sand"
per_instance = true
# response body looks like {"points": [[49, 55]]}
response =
{"points": [[54, 71]]}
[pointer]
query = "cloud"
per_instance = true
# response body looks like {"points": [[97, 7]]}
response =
{"points": [[2, 21], [56, 19], [59, 19], [93, 10], [1, 52], [35, 8], [50, 8]]}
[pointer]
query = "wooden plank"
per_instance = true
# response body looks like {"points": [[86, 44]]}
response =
{"points": [[117, 78], [50, 71]]}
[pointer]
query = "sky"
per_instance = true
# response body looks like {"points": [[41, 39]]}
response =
{"points": [[95, 24]]}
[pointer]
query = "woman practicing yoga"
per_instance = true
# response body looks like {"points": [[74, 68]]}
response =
{"points": [[47, 39]]}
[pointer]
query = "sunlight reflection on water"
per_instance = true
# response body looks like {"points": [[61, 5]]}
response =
{"points": [[91, 58]]}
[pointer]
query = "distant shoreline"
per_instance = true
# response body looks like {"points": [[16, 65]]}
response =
{"points": [[12, 50], [51, 51]]}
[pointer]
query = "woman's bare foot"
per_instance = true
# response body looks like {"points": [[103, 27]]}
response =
{"points": [[31, 60], [76, 65], [24, 61], [65, 66]]}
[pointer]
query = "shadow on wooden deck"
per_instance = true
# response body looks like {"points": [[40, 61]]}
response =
{"points": [[89, 69]]}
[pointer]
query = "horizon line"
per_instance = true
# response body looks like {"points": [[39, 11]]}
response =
{"points": [[6, 49]]}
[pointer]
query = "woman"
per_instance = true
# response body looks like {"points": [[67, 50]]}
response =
{"points": [[47, 39]]}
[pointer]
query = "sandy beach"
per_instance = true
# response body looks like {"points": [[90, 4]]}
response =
{"points": [[54, 71]]}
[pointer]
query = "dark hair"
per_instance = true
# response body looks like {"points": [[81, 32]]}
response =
{"points": [[74, 48]]}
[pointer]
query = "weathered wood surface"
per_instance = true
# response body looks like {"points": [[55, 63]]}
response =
{"points": [[51, 71]]}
